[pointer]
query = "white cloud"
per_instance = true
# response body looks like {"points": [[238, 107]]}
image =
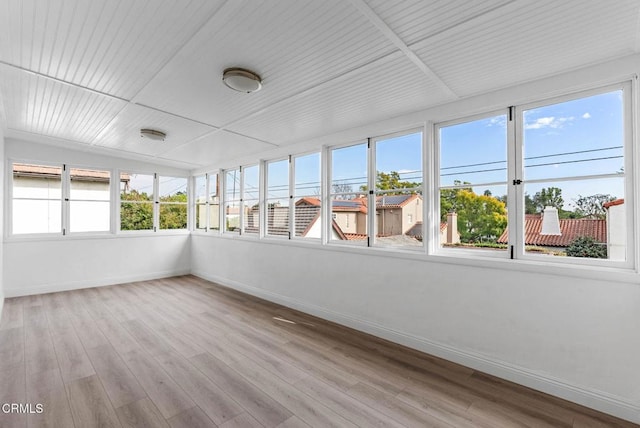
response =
{"points": [[548, 122], [586, 115], [497, 121]]}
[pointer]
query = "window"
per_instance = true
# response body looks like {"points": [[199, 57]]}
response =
{"points": [[214, 202], [150, 202], [37, 199], [207, 202], [136, 201], [60, 199], [277, 198], [568, 196], [573, 169], [251, 199], [473, 183], [201, 206], [398, 190], [89, 200], [307, 214], [173, 202], [348, 194], [232, 200]]}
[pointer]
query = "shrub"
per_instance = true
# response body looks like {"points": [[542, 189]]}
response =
{"points": [[586, 246]]}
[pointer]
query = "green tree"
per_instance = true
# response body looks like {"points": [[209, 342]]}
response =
{"points": [[587, 246], [173, 211], [529, 204], [481, 218], [137, 214], [391, 181], [592, 206], [548, 197]]}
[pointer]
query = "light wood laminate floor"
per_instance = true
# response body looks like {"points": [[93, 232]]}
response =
{"points": [[184, 352]]}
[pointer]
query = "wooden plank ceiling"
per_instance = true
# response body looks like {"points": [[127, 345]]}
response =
{"points": [[91, 74]]}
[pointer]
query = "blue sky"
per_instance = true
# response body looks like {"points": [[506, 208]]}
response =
{"points": [[575, 138]]}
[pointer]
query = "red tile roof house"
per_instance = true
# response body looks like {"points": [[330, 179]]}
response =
{"points": [[570, 229]]}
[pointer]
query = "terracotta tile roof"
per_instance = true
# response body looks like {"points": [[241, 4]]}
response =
{"points": [[355, 236], [569, 227], [443, 226], [308, 201]]}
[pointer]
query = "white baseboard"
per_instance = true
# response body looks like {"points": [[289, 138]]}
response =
{"points": [[99, 282], [597, 400]]}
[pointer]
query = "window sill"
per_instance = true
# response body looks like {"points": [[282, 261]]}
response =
{"points": [[92, 236]]}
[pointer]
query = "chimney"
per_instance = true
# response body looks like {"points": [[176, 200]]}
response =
{"points": [[452, 229], [550, 222]]}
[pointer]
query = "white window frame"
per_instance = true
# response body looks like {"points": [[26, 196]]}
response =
{"points": [[434, 214], [243, 220], [515, 192], [65, 200], [223, 226], [292, 192], [628, 92], [328, 193], [372, 178], [156, 204], [159, 203], [264, 199]]}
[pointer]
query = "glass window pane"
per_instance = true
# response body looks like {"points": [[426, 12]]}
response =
{"points": [[474, 152], [89, 216], [251, 183], [173, 216], [37, 216], [574, 138], [90, 184], [200, 191], [37, 181], [307, 175], [473, 184], [173, 189], [232, 185], [278, 180], [213, 188], [349, 169], [278, 198], [136, 215], [576, 218], [232, 216], [201, 216], [136, 187], [399, 203], [307, 189], [308, 220], [349, 219]]}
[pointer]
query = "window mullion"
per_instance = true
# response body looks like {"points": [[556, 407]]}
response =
{"points": [[515, 192], [65, 204], [371, 186]]}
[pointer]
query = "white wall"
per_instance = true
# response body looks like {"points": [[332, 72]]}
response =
{"points": [[51, 264], [571, 332]]}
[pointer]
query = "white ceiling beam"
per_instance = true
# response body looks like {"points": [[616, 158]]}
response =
{"points": [[366, 10]]}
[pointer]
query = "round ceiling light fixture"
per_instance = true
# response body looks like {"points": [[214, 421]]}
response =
{"points": [[153, 134], [241, 80]]}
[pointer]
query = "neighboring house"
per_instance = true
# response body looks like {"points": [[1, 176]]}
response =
{"points": [[616, 230], [397, 214], [570, 229], [351, 216]]}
